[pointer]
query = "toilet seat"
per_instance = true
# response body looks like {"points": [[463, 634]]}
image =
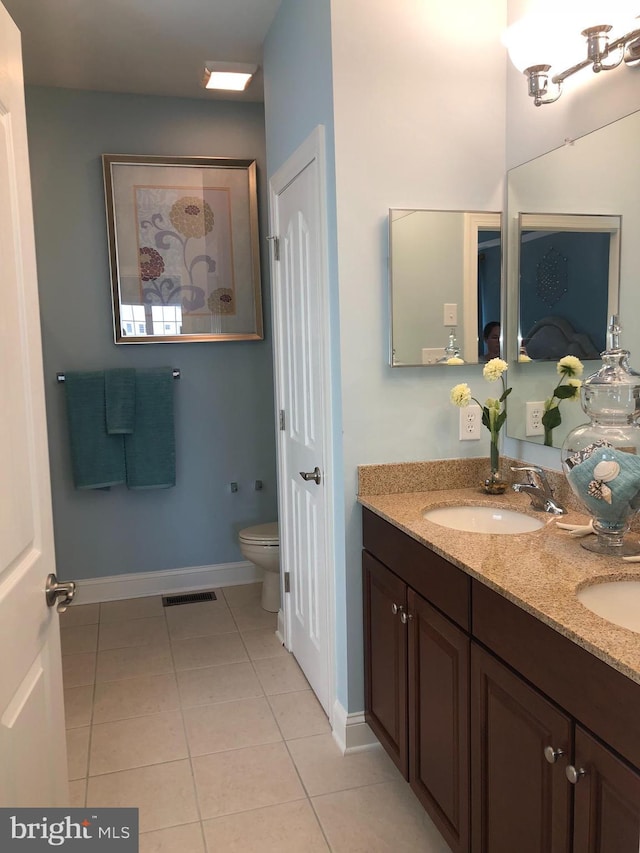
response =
{"points": [[261, 534]]}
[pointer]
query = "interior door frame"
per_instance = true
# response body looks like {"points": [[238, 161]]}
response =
{"points": [[313, 148]]}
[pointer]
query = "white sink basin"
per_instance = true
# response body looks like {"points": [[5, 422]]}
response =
{"points": [[483, 519], [615, 601]]}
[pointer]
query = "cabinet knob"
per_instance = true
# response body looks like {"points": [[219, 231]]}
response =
{"points": [[573, 775], [395, 609], [552, 755], [405, 617]]}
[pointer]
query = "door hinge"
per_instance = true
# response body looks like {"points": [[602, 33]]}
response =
{"points": [[276, 246], [287, 582], [282, 420]]}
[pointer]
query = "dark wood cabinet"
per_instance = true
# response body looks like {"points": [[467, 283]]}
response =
{"points": [[417, 683], [385, 639], [607, 800], [520, 801], [439, 719], [514, 738]]}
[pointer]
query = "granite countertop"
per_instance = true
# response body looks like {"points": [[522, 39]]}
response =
{"points": [[539, 571]]}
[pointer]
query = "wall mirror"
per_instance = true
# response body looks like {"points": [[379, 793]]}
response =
{"points": [[183, 248], [444, 284], [583, 193]]}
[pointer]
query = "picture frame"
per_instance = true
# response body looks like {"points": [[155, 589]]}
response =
{"points": [[183, 248]]}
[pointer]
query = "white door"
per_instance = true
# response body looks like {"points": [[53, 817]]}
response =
{"points": [[33, 763], [301, 360]]}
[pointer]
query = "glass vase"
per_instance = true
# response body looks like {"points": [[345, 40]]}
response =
{"points": [[602, 458], [494, 484]]}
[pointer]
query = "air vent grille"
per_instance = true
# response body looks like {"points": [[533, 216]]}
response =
{"points": [[187, 598]]}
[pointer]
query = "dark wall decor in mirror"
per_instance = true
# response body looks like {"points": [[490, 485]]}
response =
{"points": [[445, 284], [569, 268], [183, 248], [573, 216]]}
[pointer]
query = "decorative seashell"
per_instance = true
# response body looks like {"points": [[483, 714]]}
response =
{"points": [[606, 471], [598, 490]]}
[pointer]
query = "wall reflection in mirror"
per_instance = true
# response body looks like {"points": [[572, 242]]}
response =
{"points": [[569, 267], [573, 216], [445, 284]]}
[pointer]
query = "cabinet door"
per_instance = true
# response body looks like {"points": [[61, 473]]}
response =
{"points": [[439, 719], [607, 800], [385, 655], [520, 802]]}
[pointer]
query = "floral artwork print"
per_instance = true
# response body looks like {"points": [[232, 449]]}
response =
{"points": [[184, 239]]}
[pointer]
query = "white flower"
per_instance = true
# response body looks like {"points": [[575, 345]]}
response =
{"points": [[461, 395], [570, 366], [454, 360], [577, 384], [523, 357], [494, 369]]}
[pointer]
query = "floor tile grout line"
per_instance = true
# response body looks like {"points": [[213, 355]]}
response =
{"points": [[186, 742]]}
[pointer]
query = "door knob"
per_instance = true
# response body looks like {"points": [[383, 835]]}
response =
{"points": [[552, 755], [312, 475], [574, 775], [64, 591], [406, 617]]}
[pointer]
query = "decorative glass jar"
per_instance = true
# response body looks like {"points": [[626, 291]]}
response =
{"points": [[602, 458]]}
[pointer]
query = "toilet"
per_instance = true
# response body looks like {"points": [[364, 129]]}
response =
{"points": [[261, 545]]}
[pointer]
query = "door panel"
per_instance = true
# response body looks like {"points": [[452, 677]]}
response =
{"points": [[519, 801], [303, 511], [439, 719], [607, 800], [33, 761], [385, 638]]}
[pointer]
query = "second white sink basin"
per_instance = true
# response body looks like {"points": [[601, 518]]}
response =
{"points": [[483, 519], [615, 601]]}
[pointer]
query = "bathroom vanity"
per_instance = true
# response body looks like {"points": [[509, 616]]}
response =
{"points": [[512, 711]]}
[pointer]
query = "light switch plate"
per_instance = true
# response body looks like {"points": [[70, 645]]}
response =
{"points": [[450, 317]]}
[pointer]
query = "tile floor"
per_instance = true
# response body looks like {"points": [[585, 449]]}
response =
{"points": [[199, 717]]}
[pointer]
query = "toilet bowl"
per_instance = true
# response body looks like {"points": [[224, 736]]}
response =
{"points": [[261, 546]]}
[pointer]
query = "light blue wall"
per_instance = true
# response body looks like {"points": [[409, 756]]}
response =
{"points": [[298, 98], [224, 400]]}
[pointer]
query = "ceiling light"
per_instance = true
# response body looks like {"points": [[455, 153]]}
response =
{"points": [[544, 42], [233, 76]]}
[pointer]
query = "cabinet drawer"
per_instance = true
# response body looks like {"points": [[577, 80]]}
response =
{"points": [[444, 585], [601, 698]]}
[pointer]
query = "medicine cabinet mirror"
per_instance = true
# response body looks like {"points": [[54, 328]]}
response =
{"points": [[445, 284]]}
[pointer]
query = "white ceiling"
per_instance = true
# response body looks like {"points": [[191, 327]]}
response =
{"points": [[154, 47]]}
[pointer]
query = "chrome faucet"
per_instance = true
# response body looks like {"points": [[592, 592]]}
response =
{"points": [[538, 489]]}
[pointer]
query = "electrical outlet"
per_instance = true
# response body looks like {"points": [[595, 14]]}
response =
{"points": [[470, 422], [450, 317], [534, 413]]}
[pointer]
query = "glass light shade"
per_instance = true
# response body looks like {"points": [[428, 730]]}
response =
{"points": [[550, 32]]}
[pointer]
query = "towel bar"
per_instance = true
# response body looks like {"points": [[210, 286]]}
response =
{"points": [[176, 375]]}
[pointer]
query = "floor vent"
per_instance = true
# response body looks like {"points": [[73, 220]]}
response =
{"points": [[188, 598]]}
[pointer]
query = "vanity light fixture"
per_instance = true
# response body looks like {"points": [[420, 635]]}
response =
{"points": [[230, 76], [549, 35]]}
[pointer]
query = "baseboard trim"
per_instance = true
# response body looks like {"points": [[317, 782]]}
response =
{"points": [[116, 587], [351, 732]]}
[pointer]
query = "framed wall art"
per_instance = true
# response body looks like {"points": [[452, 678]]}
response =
{"points": [[183, 248]]}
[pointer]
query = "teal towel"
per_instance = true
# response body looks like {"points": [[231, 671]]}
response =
{"points": [[625, 488], [120, 399], [150, 449], [97, 458]]}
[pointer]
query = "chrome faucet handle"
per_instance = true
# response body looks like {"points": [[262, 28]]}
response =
{"points": [[538, 489], [535, 477]]}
